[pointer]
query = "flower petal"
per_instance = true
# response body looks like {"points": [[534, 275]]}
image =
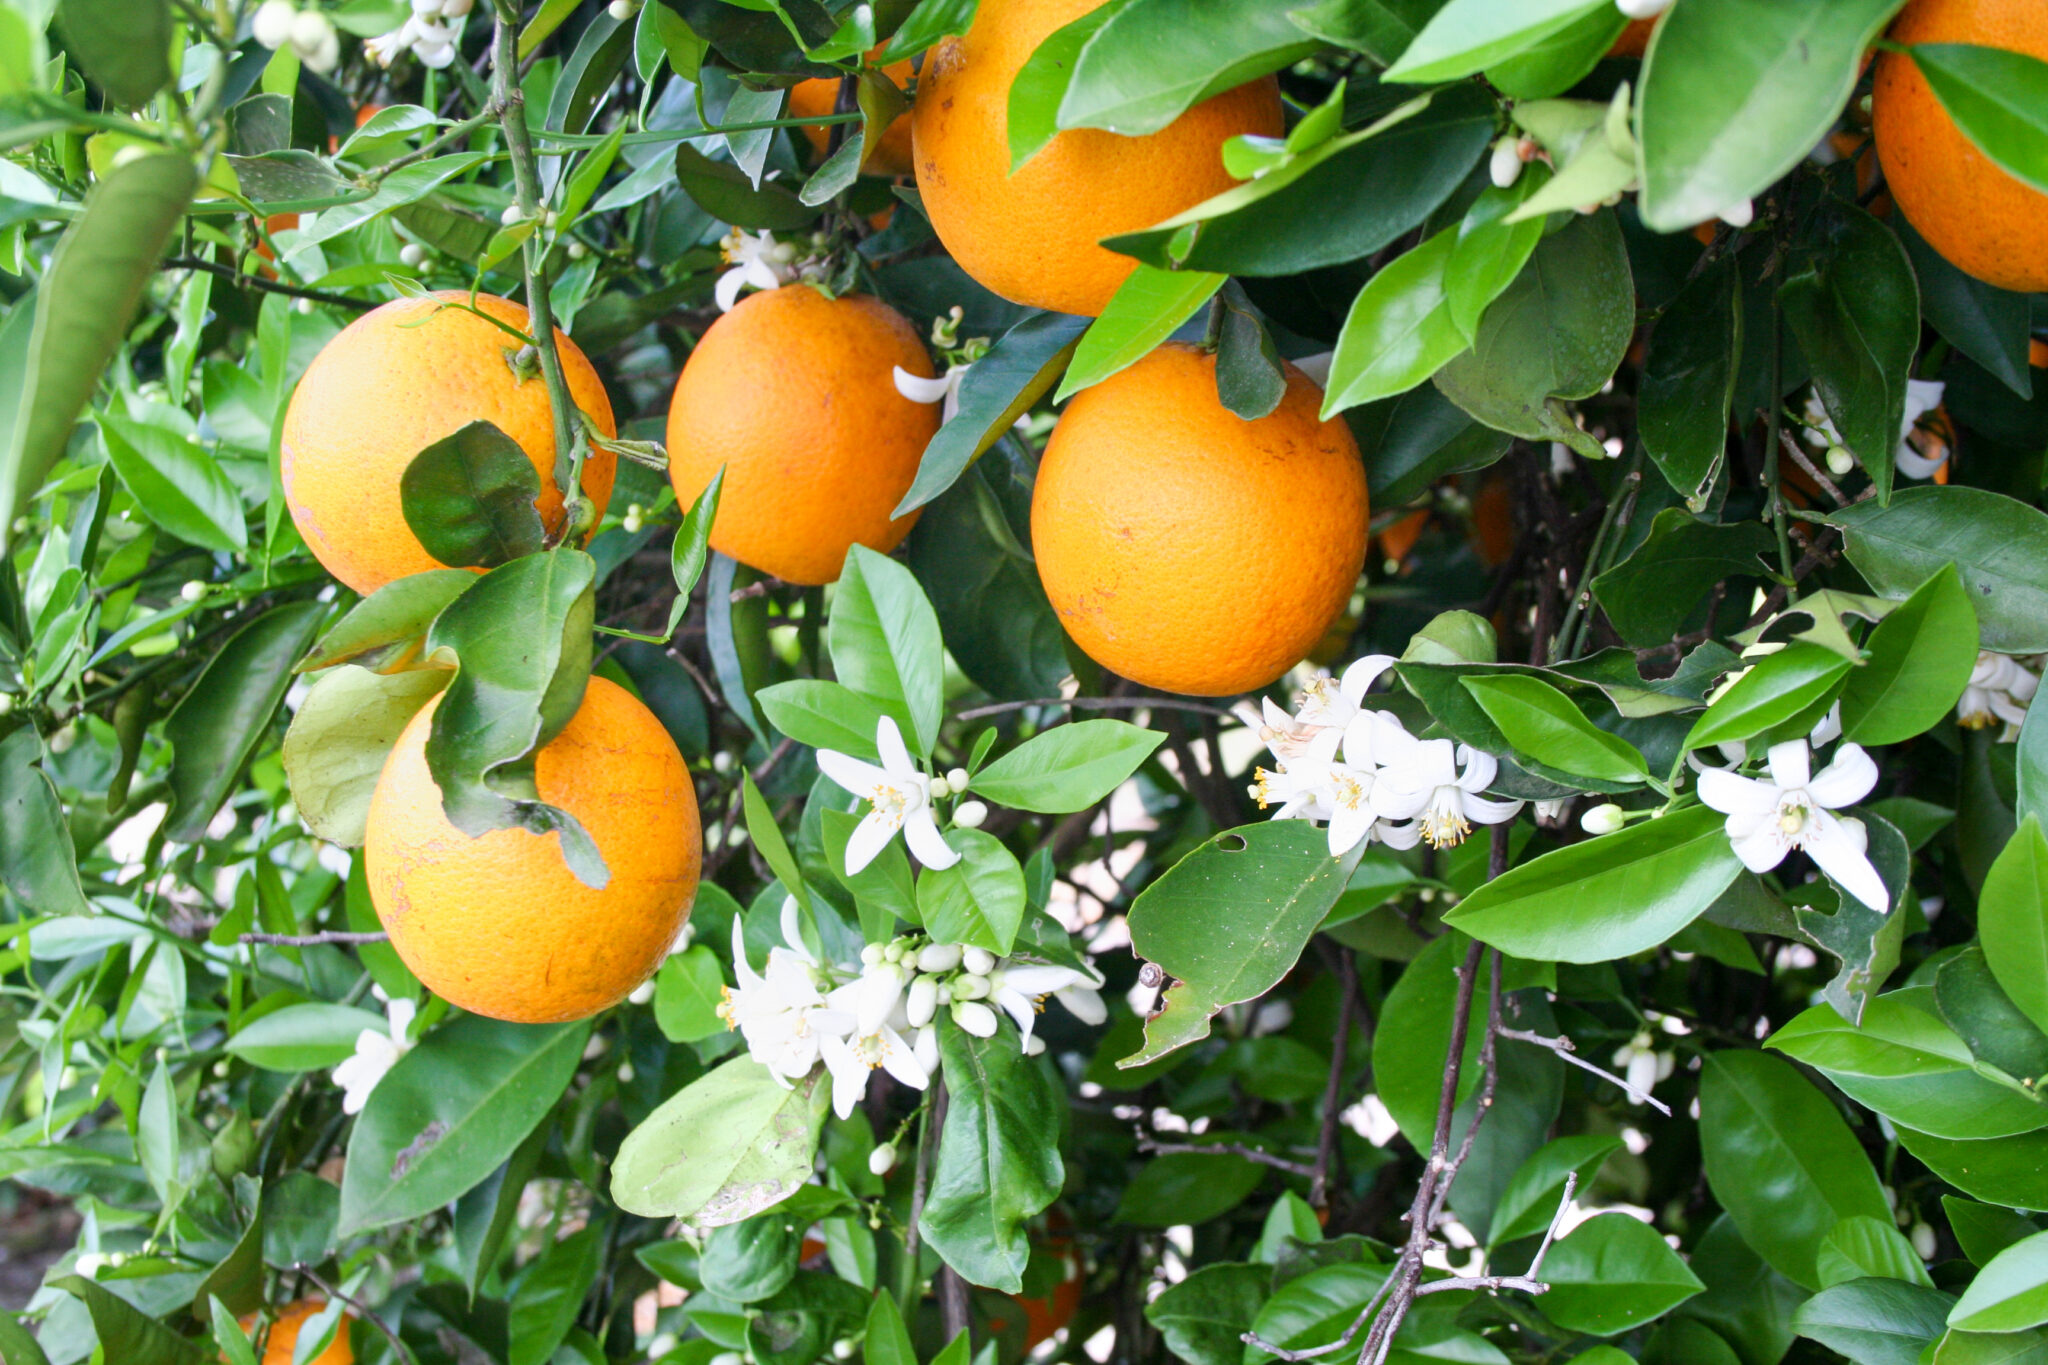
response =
{"points": [[1084, 1003], [727, 291], [1791, 764], [1760, 849], [899, 1059], [1845, 781], [1481, 811], [1734, 794], [1836, 852], [1349, 826], [1480, 768], [849, 1075], [921, 832], [860, 778], [1361, 675], [889, 744], [918, 389], [868, 839]]}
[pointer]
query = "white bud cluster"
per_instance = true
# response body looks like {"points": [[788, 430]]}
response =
{"points": [[308, 32], [431, 33]]}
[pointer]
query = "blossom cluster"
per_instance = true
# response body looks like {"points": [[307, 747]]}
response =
{"points": [[800, 1012], [1360, 770], [430, 33], [1999, 691], [1921, 451], [308, 32]]}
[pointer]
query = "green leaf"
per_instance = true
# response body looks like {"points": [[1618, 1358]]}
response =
{"points": [[687, 993], [1315, 1309], [227, 1334], [723, 190], [1466, 36], [549, 1293], [1988, 324], [929, 22], [824, 715], [1780, 1160], [767, 838], [691, 550], [1866, 940], [1187, 1188], [2012, 1170], [309, 1037], [1649, 595], [1687, 389], [1997, 1032], [1777, 690], [228, 711], [1881, 1322], [56, 343], [1382, 29], [402, 187], [1864, 1248], [1155, 59], [176, 483], [1856, 312], [1412, 441], [449, 1113], [997, 1166], [1041, 83], [341, 734], [1229, 920], [1399, 331], [1920, 659], [1561, 60], [888, 1340], [156, 1136], [749, 1261], [123, 46], [2012, 920], [1409, 1052], [520, 640], [1529, 1204], [1146, 309], [885, 883], [1998, 544], [723, 1148], [1069, 767], [470, 499], [885, 643], [1557, 332], [1249, 380], [1608, 897], [1998, 97], [387, 631], [997, 390], [37, 863], [1203, 1319], [1543, 723], [1737, 92], [1984, 1230], [979, 900], [1490, 253], [2010, 1294], [124, 1332], [1906, 1064], [485, 1215], [1611, 1273]]}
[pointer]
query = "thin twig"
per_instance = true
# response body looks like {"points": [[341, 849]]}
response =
{"points": [[312, 940], [1564, 1048], [1098, 704], [1153, 1147], [403, 1352], [1529, 1281], [1333, 1088], [228, 272], [1799, 458]]}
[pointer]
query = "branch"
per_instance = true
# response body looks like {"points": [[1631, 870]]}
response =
{"points": [[1799, 458], [1530, 1281], [1564, 1048], [398, 1347], [1333, 1089], [228, 272], [1098, 704], [1152, 1147], [311, 940]]}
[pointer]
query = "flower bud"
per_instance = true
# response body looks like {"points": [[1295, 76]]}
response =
{"points": [[1642, 9], [1033, 1045], [512, 214], [970, 987], [871, 955], [945, 996], [1667, 1062], [272, 25], [921, 1002], [1506, 166], [233, 1146], [577, 251], [90, 1264], [938, 788], [977, 1018], [622, 10], [310, 32], [1739, 215], [938, 957], [1605, 818], [1922, 1237], [1642, 1072], [970, 814], [642, 993], [412, 254], [957, 779], [979, 961], [1840, 462], [193, 590], [625, 1073], [883, 1159]]}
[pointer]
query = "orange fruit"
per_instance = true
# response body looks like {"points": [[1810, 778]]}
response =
{"points": [[393, 382], [284, 1335], [499, 924], [1986, 223], [1031, 236], [814, 99], [1189, 549], [2037, 353], [795, 395]]}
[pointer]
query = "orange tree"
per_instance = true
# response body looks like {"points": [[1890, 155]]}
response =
{"points": [[749, 682]]}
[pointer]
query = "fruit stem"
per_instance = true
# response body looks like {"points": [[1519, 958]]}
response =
{"points": [[578, 516]]}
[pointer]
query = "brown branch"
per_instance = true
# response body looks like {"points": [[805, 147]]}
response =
{"points": [[1152, 1147], [1799, 458], [1565, 1049], [1333, 1088]]}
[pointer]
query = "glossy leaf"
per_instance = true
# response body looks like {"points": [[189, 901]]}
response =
{"points": [[1649, 595], [1736, 93], [1998, 98], [1984, 1230], [126, 1333], [37, 861], [1689, 381], [1997, 1032], [387, 631], [1146, 309], [2011, 1294], [1920, 658], [309, 1037], [1466, 36], [1229, 920], [470, 499], [995, 1169], [1543, 723], [996, 391], [176, 484], [979, 900], [1069, 767], [1530, 1202], [341, 734], [1041, 83], [722, 1149], [1865, 1248], [1155, 59], [1409, 1053], [2012, 920], [1882, 1322], [550, 1291], [1780, 1160], [1611, 1273], [1607, 897], [123, 46], [1203, 1319], [687, 993], [1777, 689], [1998, 545], [885, 644], [1988, 324], [1399, 331], [1187, 1188]]}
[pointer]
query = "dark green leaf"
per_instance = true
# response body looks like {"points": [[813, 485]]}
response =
{"points": [[1409, 1052], [691, 550], [768, 840], [1779, 689], [470, 499], [1399, 331], [451, 1111], [1543, 723], [2012, 920], [1187, 1187], [124, 1332], [1382, 29], [1878, 1322], [1998, 545], [997, 1167], [2012, 1170], [1561, 60], [123, 46], [979, 900], [1998, 1033], [1412, 441], [1491, 252], [1998, 97], [1984, 322], [1203, 1318], [37, 863], [549, 1293], [723, 190], [1530, 1202], [888, 1339], [1249, 380], [1612, 1273], [1984, 1230], [228, 711], [1041, 83], [884, 883], [1780, 1160], [1649, 595], [753, 1260], [1868, 1248], [1920, 658], [1316, 1308], [485, 1215], [929, 22], [1155, 59], [1687, 388], [176, 484]]}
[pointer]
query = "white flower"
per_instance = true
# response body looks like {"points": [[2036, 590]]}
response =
{"points": [[850, 1060], [882, 1160], [760, 262], [1767, 820], [314, 40], [899, 798], [945, 389], [1020, 988], [1922, 397], [1437, 780], [376, 1053], [1505, 166], [781, 1013], [272, 25], [1999, 689], [1336, 703], [1344, 790]]}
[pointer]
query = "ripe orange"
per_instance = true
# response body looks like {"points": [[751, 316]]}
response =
{"points": [[499, 925], [891, 152], [1031, 236], [1984, 221], [1186, 548], [396, 380], [795, 395], [2037, 353], [284, 1335]]}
